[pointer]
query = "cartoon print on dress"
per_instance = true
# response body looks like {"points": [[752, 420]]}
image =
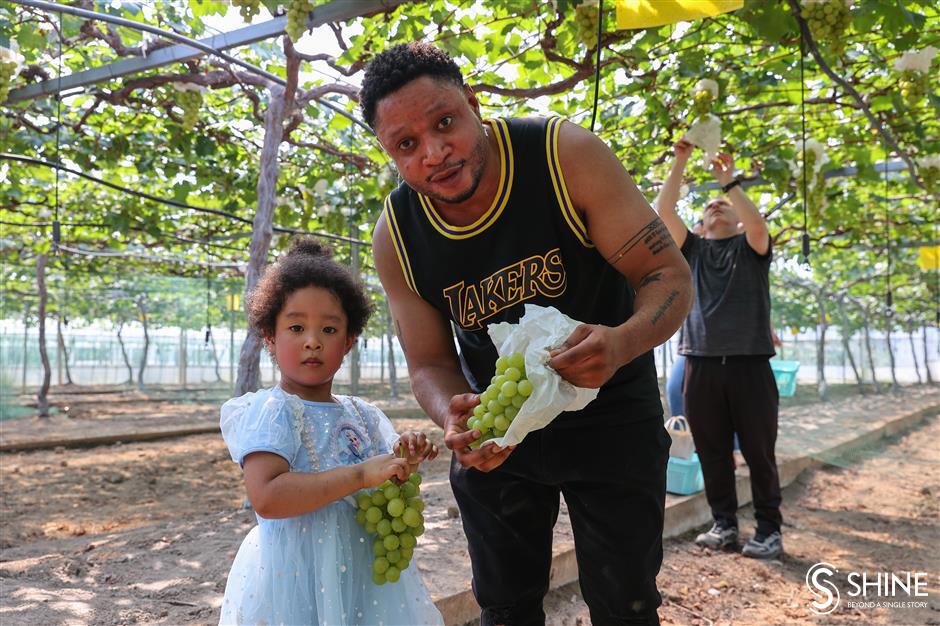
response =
{"points": [[351, 444]]}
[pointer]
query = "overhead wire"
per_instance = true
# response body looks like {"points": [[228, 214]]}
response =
{"points": [[170, 202], [805, 237], [597, 62], [56, 227]]}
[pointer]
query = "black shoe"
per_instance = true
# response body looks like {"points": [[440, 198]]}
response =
{"points": [[764, 546], [720, 536]]}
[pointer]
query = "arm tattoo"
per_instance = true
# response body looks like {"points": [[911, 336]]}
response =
{"points": [[654, 235], [401, 336], [651, 278], [662, 310]]}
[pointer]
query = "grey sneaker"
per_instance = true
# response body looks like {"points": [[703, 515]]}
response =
{"points": [[764, 547], [719, 537]]}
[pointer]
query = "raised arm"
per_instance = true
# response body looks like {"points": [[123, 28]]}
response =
{"points": [[637, 243], [669, 194], [755, 228], [433, 366]]}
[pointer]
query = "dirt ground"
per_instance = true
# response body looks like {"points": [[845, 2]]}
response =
{"points": [[878, 511], [144, 533]]}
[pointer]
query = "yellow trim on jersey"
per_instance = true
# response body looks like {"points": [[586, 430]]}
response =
{"points": [[506, 170], [558, 182], [399, 244]]}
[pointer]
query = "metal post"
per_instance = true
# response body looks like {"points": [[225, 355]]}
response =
{"points": [[58, 351], [354, 361], [182, 356], [231, 338], [25, 350]]}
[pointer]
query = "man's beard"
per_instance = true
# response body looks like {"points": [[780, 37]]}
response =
{"points": [[477, 161]]}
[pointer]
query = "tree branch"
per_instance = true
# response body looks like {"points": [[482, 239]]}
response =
{"points": [[32, 71], [330, 60], [315, 93], [214, 79], [361, 162], [782, 103], [110, 36]]}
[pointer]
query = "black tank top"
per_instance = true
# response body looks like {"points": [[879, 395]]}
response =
{"points": [[530, 246]]}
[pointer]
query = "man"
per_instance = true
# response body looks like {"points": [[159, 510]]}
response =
{"points": [[729, 386], [493, 214]]}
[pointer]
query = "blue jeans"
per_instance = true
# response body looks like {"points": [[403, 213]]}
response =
{"points": [[674, 386], [674, 391]]}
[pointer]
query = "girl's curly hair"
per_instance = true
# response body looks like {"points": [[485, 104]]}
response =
{"points": [[308, 263]]}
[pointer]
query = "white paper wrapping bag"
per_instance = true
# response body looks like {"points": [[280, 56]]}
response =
{"points": [[540, 330]]}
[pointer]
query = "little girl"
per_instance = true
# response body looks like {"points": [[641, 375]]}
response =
{"points": [[305, 452]]}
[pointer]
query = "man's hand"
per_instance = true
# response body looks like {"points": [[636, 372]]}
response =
{"points": [[589, 356], [723, 168], [683, 150], [458, 438]]}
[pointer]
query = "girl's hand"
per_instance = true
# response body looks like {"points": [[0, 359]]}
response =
{"points": [[376, 470], [415, 447]]}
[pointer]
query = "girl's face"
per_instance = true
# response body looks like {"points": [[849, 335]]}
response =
{"points": [[309, 343]]}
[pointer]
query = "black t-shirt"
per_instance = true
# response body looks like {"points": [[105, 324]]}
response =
{"points": [[730, 314], [531, 246]]}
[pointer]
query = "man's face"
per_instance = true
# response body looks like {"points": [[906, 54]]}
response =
{"points": [[719, 215], [433, 131]]}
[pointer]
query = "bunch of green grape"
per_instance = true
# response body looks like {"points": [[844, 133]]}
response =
{"points": [[913, 86], [828, 20], [702, 103], [500, 403], [7, 72], [248, 8], [190, 100], [586, 15], [815, 185], [931, 178], [394, 514], [297, 13]]}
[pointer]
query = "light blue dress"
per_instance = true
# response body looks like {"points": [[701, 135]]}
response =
{"points": [[315, 568]]}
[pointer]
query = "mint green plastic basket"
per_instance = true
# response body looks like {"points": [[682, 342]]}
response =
{"points": [[785, 374], [684, 476]]}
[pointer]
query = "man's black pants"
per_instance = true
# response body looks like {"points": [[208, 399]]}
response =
{"points": [[724, 396], [613, 478]]}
